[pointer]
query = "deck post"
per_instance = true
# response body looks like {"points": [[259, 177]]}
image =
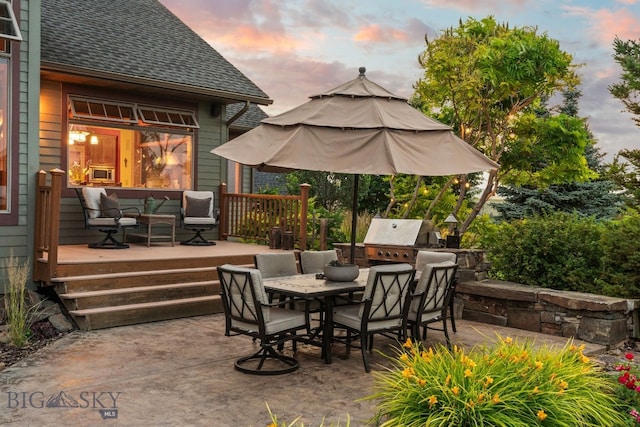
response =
{"points": [[47, 224], [304, 210], [222, 222]]}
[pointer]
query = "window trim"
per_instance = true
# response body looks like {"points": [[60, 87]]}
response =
{"points": [[105, 105], [11, 19], [187, 118]]}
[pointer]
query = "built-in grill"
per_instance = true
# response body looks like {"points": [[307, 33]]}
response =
{"points": [[398, 240]]}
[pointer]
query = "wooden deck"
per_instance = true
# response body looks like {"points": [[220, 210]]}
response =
{"points": [[102, 288]]}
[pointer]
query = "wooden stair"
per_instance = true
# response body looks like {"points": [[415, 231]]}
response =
{"points": [[97, 301]]}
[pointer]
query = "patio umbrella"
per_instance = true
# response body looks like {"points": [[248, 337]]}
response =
{"points": [[358, 127]]}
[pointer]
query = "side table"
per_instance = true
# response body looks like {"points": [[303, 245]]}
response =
{"points": [[150, 220]]}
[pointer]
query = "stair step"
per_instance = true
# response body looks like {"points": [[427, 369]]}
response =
{"points": [[131, 274], [144, 305], [129, 314], [137, 289]]}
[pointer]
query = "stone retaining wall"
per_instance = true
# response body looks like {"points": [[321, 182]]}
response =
{"points": [[592, 318]]}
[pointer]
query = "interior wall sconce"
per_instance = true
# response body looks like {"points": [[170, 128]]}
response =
{"points": [[94, 140]]}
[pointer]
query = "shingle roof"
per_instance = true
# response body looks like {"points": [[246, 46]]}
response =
{"points": [[137, 39], [249, 120]]}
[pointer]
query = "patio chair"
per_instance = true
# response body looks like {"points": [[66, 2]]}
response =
{"points": [[313, 262], [382, 310], [198, 214], [431, 257], [103, 213], [276, 264], [248, 312], [431, 299]]}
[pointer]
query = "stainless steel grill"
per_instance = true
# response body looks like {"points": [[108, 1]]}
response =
{"points": [[398, 240]]}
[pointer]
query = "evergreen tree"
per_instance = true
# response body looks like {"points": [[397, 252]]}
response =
{"points": [[592, 198]]}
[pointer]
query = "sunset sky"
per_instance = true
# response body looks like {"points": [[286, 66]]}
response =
{"points": [[296, 48]]}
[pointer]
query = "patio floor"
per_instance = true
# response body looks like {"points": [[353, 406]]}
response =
{"points": [[180, 372]]}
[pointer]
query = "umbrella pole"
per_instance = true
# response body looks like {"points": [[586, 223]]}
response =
{"points": [[354, 219]]}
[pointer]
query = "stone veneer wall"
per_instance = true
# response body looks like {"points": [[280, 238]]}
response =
{"points": [[588, 317]]}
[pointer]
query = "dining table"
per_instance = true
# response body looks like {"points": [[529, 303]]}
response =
{"points": [[317, 287]]}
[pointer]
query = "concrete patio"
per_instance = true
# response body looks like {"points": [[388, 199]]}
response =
{"points": [[180, 372]]}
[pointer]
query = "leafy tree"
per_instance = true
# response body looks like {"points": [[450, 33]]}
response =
{"points": [[625, 172], [334, 190], [627, 54], [591, 198], [485, 79], [625, 169]]}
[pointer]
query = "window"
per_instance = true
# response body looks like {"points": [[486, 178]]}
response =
{"points": [[107, 147], [8, 25]]}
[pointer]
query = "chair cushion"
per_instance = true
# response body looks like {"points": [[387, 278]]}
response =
{"points": [[91, 197], [277, 264], [314, 261], [197, 207], [109, 206]]}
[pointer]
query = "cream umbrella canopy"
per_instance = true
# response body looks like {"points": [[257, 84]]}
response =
{"points": [[358, 127]]}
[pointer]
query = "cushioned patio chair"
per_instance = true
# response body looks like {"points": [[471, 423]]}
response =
{"points": [[276, 264], [198, 214], [431, 299], [103, 213], [248, 312], [432, 257], [313, 262], [382, 310]]}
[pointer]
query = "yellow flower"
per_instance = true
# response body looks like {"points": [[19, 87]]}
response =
{"points": [[468, 373], [404, 357], [480, 397], [272, 425], [471, 363], [408, 372], [563, 384], [496, 398], [432, 400], [536, 390], [539, 364], [508, 340], [584, 359], [541, 415], [573, 347], [422, 381], [446, 381], [408, 343], [488, 381], [455, 390]]}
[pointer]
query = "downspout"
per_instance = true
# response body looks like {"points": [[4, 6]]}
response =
{"points": [[237, 115]]}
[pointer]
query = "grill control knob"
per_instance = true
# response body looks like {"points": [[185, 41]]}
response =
{"points": [[388, 254], [380, 253], [405, 255], [395, 254]]}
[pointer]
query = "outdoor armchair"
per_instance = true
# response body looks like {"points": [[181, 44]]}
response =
{"points": [[382, 310], [431, 257], [198, 214], [431, 299], [103, 212], [248, 312]]}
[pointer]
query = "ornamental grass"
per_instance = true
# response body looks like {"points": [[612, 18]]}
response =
{"points": [[506, 384]]}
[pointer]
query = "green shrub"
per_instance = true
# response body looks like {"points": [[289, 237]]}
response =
{"points": [[507, 384], [560, 251], [621, 258]]}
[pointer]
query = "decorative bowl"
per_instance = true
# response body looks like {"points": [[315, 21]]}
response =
{"points": [[341, 273]]}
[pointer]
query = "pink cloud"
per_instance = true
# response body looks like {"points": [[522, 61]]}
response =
{"points": [[606, 24], [377, 33]]}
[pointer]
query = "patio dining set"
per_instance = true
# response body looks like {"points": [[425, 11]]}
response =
{"points": [[285, 297]]}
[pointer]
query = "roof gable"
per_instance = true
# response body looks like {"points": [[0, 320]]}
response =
{"points": [[138, 39]]}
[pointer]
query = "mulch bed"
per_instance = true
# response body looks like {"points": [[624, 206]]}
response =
{"points": [[42, 334]]}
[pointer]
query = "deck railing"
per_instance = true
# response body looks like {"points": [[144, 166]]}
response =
{"points": [[252, 217], [47, 224]]}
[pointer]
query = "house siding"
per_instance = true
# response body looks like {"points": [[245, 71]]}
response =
{"points": [[17, 236]]}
